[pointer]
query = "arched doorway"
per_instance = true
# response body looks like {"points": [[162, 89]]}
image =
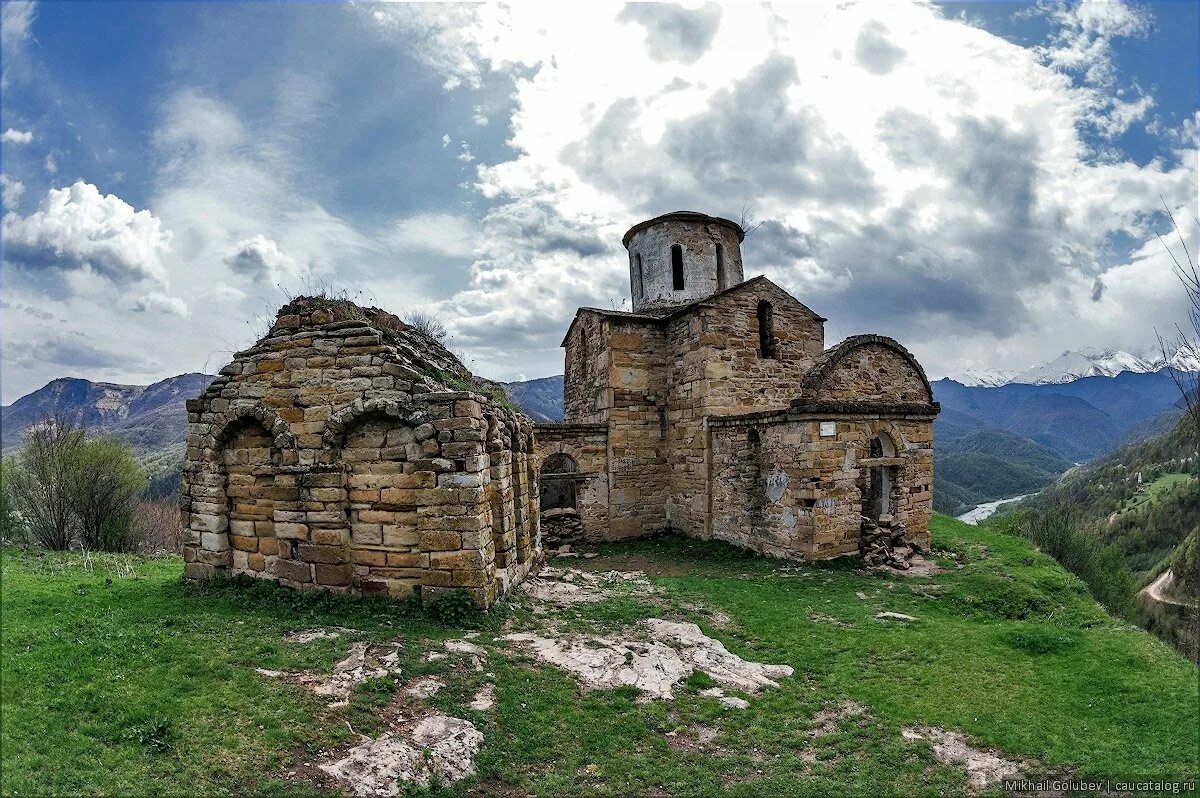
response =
{"points": [[881, 479]]}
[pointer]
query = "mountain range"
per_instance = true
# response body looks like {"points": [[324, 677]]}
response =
{"points": [[1072, 365], [993, 442]]}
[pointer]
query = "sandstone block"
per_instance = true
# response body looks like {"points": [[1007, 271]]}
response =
{"points": [[294, 571]]}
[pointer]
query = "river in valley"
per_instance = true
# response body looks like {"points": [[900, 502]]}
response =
{"points": [[988, 509]]}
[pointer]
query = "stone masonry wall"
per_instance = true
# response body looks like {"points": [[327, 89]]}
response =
{"points": [[638, 426], [716, 369], [586, 396], [699, 243], [797, 494], [334, 455]]}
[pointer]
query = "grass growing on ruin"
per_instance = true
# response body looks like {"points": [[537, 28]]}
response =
{"points": [[118, 679]]}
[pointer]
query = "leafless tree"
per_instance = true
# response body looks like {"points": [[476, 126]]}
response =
{"points": [[1186, 336], [748, 222], [42, 483], [159, 527]]}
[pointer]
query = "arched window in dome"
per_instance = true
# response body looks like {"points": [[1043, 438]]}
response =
{"points": [[677, 267]]}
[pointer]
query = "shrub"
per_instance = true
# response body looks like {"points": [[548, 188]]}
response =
{"points": [[1100, 566], [429, 325], [10, 521], [1185, 565], [104, 485], [42, 484]]}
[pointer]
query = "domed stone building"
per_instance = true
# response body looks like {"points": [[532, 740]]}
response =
{"points": [[713, 409], [349, 452]]}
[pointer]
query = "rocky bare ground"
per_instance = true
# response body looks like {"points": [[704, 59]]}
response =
{"points": [[422, 745]]}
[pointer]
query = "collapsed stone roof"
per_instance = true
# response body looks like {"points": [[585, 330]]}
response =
{"points": [[433, 367]]}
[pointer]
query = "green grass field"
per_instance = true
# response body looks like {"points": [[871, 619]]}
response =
{"points": [[118, 679]]}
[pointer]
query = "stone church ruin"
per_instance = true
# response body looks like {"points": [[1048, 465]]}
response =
{"points": [[713, 409], [347, 451]]}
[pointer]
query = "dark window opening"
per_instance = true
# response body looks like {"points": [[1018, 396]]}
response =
{"points": [[766, 330], [677, 266], [720, 268], [639, 286]]}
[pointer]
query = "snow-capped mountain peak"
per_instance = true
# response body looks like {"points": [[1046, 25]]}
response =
{"points": [[1087, 362], [988, 378]]}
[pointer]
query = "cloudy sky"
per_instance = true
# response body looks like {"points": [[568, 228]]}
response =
{"points": [[985, 182]]}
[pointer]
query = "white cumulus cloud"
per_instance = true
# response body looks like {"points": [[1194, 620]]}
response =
{"points": [[260, 258], [925, 178], [78, 227], [13, 189], [14, 136]]}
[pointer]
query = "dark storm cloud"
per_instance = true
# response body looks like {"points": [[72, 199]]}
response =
{"points": [[874, 52], [965, 265], [749, 143], [774, 243], [674, 33], [540, 227]]}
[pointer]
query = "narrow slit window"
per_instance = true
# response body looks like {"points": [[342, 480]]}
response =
{"points": [[640, 280], [766, 332], [720, 268], [677, 267]]}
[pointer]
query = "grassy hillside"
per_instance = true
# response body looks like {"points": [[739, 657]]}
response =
{"points": [[119, 679], [1144, 498]]}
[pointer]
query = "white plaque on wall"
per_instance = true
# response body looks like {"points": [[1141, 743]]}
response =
{"points": [[828, 429]]}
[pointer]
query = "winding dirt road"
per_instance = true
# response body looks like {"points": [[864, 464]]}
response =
{"points": [[1158, 588]]}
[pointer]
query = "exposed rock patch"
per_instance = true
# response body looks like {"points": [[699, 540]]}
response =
{"points": [[484, 699], [727, 701], [309, 635], [984, 768], [436, 747], [424, 687], [672, 652], [362, 663], [893, 616], [566, 586]]}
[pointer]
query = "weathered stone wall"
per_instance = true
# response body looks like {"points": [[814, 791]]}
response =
{"points": [[331, 455], [867, 368], [586, 395], [716, 368], [798, 494], [587, 446], [665, 379], [699, 239], [638, 426]]}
